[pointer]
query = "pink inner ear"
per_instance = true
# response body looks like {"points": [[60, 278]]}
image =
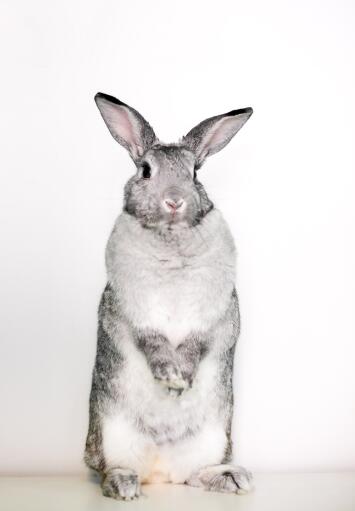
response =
{"points": [[123, 125], [219, 135], [130, 131]]}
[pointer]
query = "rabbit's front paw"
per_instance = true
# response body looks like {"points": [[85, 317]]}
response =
{"points": [[169, 375]]}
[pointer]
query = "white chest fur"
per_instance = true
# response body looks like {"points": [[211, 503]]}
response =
{"points": [[177, 283]]}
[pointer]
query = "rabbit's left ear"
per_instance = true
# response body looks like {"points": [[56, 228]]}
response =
{"points": [[126, 125], [211, 135]]}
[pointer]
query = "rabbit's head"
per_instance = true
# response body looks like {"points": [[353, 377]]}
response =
{"points": [[165, 188]]}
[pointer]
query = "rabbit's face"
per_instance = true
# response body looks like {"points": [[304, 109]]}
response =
{"points": [[165, 189]]}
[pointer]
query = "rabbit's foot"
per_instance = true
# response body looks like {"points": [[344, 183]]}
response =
{"points": [[223, 478], [121, 484], [169, 375]]}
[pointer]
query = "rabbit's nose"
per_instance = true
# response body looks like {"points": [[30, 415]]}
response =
{"points": [[173, 205]]}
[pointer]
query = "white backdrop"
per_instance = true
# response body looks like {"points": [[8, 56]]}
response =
{"points": [[285, 184]]}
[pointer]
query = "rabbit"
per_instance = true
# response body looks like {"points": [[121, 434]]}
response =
{"points": [[161, 400]]}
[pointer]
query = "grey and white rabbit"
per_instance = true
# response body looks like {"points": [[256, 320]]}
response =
{"points": [[161, 401]]}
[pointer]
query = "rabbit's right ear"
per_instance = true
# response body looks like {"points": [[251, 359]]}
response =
{"points": [[126, 125]]}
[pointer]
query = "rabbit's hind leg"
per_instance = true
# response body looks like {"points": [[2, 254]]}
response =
{"points": [[223, 478], [121, 484]]}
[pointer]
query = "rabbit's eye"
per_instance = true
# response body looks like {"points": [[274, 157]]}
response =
{"points": [[146, 171]]}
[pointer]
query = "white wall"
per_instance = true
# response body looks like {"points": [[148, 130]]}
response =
{"points": [[285, 184]]}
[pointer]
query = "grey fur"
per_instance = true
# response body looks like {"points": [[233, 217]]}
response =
{"points": [[167, 382], [103, 391]]}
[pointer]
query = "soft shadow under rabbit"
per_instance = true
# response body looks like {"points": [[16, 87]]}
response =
{"points": [[161, 401]]}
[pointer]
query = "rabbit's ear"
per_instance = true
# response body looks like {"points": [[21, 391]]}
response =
{"points": [[126, 125], [211, 135]]}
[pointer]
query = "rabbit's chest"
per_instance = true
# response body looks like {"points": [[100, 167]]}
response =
{"points": [[176, 299]]}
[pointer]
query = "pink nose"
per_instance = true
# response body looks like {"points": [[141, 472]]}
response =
{"points": [[174, 205]]}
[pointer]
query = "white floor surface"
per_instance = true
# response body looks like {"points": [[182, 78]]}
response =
{"points": [[273, 492]]}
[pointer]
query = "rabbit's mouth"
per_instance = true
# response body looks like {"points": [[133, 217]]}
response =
{"points": [[175, 218]]}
